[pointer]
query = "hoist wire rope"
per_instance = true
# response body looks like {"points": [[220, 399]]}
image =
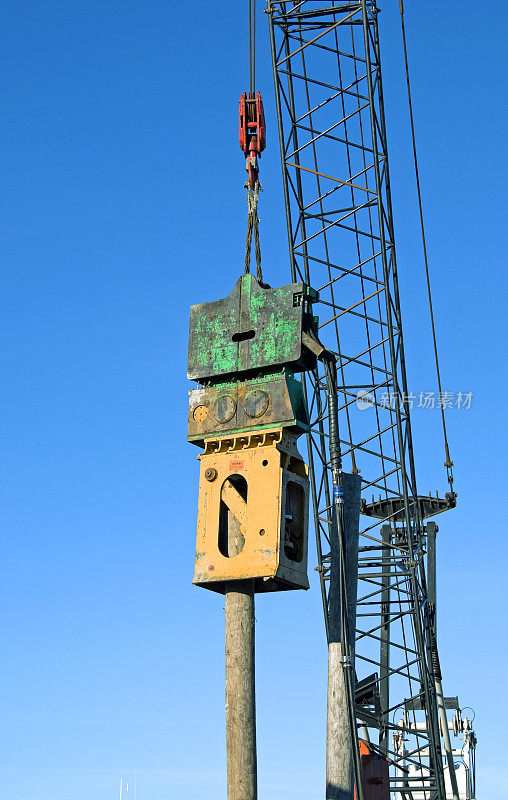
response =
{"points": [[448, 462], [252, 191], [252, 47], [253, 228]]}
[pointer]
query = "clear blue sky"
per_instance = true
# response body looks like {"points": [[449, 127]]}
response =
{"points": [[122, 204]]}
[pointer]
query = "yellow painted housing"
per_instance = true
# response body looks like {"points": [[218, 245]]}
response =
{"points": [[253, 512]]}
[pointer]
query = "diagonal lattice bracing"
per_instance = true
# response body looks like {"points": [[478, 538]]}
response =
{"points": [[332, 136]]}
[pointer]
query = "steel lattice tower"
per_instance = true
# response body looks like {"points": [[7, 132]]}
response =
{"points": [[329, 100]]}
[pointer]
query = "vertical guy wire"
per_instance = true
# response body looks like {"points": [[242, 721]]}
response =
{"points": [[448, 462]]}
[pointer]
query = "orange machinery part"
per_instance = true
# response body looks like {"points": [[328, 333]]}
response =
{"points": [[376, 781]]}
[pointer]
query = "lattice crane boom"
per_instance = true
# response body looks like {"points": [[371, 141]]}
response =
{"points": [[332, 133]]}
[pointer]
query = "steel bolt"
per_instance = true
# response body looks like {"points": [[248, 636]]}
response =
{"points": [[210, 474]]}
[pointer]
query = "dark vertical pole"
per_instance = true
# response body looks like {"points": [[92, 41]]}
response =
{"points": [[431, 529], [384, 654]]}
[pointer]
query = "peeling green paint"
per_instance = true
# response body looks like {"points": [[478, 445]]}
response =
{"points": [[254, 328]]}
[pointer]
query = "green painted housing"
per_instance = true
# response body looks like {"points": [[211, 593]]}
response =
{"points": [[254, 328]]}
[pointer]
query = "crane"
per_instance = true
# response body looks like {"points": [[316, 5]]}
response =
{"points": [[338, 324], [332, 133]]}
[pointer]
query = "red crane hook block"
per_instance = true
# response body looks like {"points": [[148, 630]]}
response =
{"points": [[252, 133]]}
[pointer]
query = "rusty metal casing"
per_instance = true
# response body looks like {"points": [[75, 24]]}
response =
{"points": [[266, 401]]}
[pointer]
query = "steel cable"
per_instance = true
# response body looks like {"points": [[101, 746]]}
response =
{"points": [[253, 228], [252, 47], [252, 192], [448, 462]]}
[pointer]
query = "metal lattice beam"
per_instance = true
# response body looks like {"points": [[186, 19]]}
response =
{"points": [[329, 99]]}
